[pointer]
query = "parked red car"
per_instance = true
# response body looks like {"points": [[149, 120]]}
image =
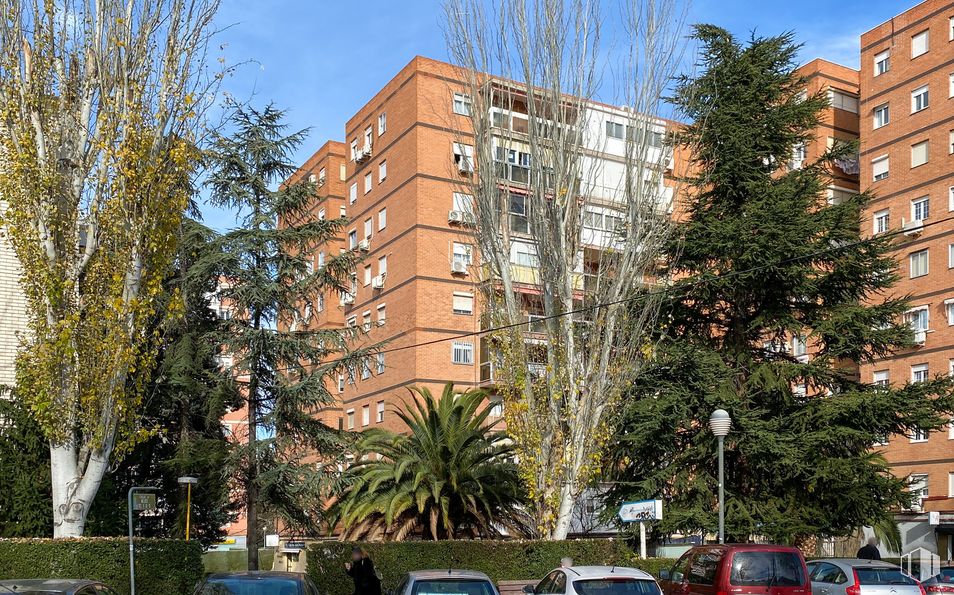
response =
{"points": [[738, 570]]}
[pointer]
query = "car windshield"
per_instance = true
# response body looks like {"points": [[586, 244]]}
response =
{"points": [[615, 586], [453, 587], [767, 569], [883, 576], [258, 586], [946, 575]]}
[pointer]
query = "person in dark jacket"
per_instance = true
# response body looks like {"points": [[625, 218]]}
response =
{"points": [[361, 570], [870, 551]]}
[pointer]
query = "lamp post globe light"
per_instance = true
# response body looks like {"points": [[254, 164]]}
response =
{"points": [[720, 422]]}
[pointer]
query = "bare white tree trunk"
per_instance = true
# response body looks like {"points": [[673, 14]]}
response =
{"points": [[572, 200]]}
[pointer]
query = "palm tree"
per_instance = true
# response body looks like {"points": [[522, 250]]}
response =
{"points": [[450, 475]]}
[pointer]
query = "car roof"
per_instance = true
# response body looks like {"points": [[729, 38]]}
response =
{"points": [[747, 547], [604, 571], [447, 573], [255, 575], [48, 584], [860, 562]]}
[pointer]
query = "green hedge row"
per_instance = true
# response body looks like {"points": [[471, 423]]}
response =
{"points": [[501, 560], [163, 566]]}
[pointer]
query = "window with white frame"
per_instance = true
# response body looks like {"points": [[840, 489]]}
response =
{"points": [[366, 415], [882, 115], [352, 322], [383, 265], [342, 211], [463, 254], [367, 182], [799, 346], [919, 153], [523, 254], [919, 435], [920, 99], [366, 320], [382, 218], [881, 221], [799, 154], [949, 309], [950, 29], [616, 130], [320, 303], [463, 302], [843, 101], [920, 43], [881, 378], [919, 373], [950, 142], [367, 275], [882, 62], [349, 415], [382, 314], [379, 363], [950, 256], [463, 202], [918, 263], [353, 193], [380, 411], [836, 196], [341, 383], [950, 198], [464, 157], [920, 208], [322, 176], [879, 168], [368, 138], [462, 352], [365, 369], [950, 85], [321, 214], [354, 149], [496, 409], [352, 239], [950, 479], [368, 228], [918, 485], [382, 171], [462, 104], [919, 319], [382, 123]]}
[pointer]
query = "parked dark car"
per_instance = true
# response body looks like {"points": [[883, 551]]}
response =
{"points": [[257, 583], [55, 586], [943, 582], [739, 570]]}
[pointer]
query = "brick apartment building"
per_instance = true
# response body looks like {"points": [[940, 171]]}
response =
{"points": [[907, 159]]}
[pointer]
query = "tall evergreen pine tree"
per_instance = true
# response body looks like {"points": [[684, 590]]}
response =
{"points": [[269, 280], [764, 259]]}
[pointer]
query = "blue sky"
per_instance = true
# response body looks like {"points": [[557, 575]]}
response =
{"points": [[323, 59]]}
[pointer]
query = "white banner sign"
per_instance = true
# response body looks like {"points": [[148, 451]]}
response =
{"points": [[644, 510]]}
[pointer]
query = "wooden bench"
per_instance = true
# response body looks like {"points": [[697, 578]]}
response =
{"points": [[513, 587]]}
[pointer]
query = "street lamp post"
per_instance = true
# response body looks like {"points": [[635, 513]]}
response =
{"points": [[188, 482], [720, 423]]}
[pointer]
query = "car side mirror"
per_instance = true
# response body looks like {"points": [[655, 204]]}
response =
{"points": [[529, 589], [664, 574]]}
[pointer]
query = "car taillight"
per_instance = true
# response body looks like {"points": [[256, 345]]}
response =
{"points": [[923, 590], [939, 588], [854, 589]]}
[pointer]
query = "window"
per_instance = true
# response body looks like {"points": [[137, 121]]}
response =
{"points": [[383, 265], [918, 485], [920, 99], [380, 417], [366, 415], [382, 171], [382, 315], [950, 85], [368, 228], [322, 175], [382, 123], [799, 347], [950, 29], [919, 153], [353, 193], [379, 366], [352, 239], [949, 309], [368, 138], [918, 319], [522, 254], [882, 115], [919, 373], [367, 182], [843, 101], [350, 418], [920, 208], [950, 198], [320, 304], [950, 256], [342, 211], [462, 353], [464, 157], [881, 221], [496, 409], [321, 214], [881, 378], [882, 62], [616, 130], [879, 168], [463, 254], [950, 485], [463, 202], [341, 384], [950, 142], [321, 260], [365, 374], [366, 320], [518, 213], [354, 149], [462, 104], [799, 154], [352, 321], [918, 263], [836, 196], [766, 569], [367, 275], [463, 303], [919, 43], [382, 218]]}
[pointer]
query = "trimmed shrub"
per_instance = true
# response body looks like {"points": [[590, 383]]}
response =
{"points": [[235, 560], [500, 560], [163, 566]]}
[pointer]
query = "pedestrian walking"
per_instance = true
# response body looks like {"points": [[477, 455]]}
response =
{"points": [[362, 572], [870, 551]]}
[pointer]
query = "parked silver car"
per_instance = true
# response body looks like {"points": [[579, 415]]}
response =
{"points": [[595, 580], [445, 582], [849, 576]]}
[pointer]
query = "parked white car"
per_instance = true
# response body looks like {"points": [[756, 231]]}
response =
{"points": [[595, 580]]}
